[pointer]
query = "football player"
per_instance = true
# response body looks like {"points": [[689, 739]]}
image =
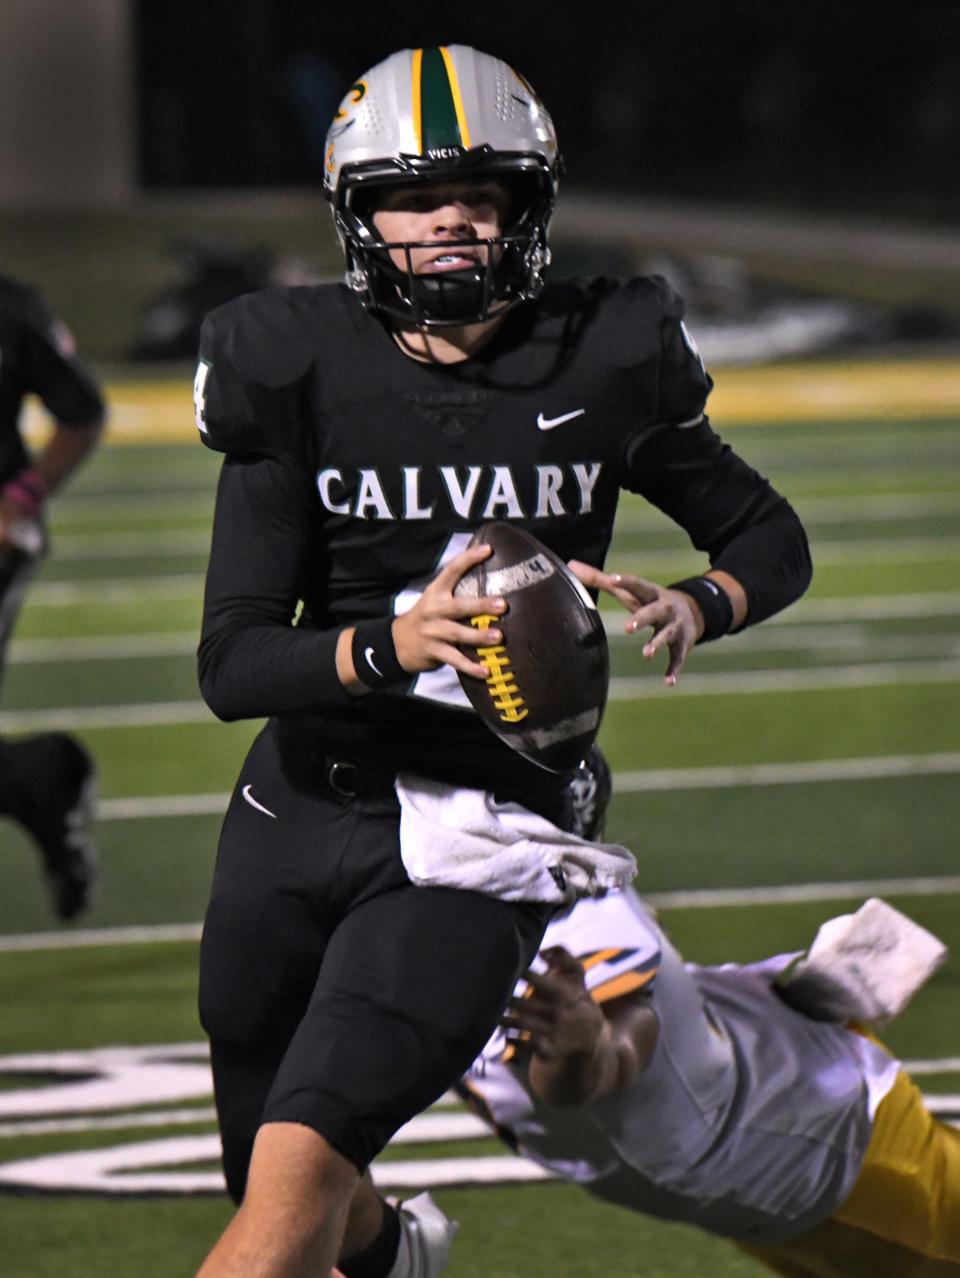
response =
{"points": [[46, 781], [368, 429], [705, 1095]]}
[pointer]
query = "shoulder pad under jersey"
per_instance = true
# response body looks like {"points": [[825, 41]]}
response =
{"points": [[255, 353], [644, 331], [684, 383]]}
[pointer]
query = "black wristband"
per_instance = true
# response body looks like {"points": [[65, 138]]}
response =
{"points": [[374, 654], [715, 604]]}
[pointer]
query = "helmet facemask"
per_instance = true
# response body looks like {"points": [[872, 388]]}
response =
{"points": [[513, 260]]}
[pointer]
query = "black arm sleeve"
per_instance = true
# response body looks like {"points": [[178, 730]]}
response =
{"points": [[55, 373], [253, 661], [728, 510]]}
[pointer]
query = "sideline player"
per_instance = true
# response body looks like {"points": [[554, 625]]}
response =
{"points": [[697, 1094], [369, 428], [46, 781]]}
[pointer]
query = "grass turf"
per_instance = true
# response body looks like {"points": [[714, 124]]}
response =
{"points": [[156, 869]]}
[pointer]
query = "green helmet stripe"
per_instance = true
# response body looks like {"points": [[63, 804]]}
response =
{"points": [[438, 109]]}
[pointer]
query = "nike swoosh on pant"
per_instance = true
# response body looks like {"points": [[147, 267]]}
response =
{"points": [[254, 804]]}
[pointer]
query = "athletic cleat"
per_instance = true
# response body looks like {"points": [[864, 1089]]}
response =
{"points": [[61, 823], [425, 1239]]}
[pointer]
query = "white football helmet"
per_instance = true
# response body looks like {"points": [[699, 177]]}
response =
{"points": [[432, 115]]}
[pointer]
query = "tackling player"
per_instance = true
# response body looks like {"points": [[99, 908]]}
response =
{"points": [[369, 428], [46, 781], [697, 1094]]}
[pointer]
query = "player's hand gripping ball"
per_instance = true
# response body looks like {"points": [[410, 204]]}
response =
{"points": [[546, 685]]}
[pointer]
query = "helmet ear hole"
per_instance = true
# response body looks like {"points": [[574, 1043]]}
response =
{"points": [[524, 194]]}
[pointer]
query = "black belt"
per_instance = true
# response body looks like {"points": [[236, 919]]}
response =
{"points": [[311, 769], [348, 780]]}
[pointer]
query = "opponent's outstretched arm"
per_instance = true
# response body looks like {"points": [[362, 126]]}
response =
{"points": [[580, 1052]]}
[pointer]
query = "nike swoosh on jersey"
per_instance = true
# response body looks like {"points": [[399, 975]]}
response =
{"points": [[548, 423], [254, 804], [368, 657]]}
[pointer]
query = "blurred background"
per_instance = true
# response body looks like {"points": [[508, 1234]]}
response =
{"points": [[148, 148]]}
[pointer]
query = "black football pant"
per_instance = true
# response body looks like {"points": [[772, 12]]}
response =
{"points": [[335, 993], [25, 775]]}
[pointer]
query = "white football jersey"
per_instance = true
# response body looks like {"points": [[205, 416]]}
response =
{"points": [[750, 1120]]}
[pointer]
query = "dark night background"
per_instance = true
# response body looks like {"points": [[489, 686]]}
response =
{"points": [[840, 106]]}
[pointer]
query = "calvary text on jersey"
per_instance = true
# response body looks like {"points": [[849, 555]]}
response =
{"points": [[472, 492]]}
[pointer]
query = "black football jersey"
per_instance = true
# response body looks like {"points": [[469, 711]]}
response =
{"points": [[37, 357], [353, 472]]}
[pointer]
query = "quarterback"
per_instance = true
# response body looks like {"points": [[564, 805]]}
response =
{"points": [[368, 429], [702, 1095]]}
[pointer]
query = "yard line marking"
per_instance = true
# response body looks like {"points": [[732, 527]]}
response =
{"points": [[840, 640], [876, 508], [424, 1129], [25, 652], [795, 893], [853, 508], [836, 553], [65, 594], [625, 688], [750, 682], [86, 938], [68, 718], [98, 505], [802, 617], [685, 899], [934, 603], [120, 1170], [163, 805], [892, 550], [945, 1065], [110, 543], [801, 773], [942, 1102], [829, 614], [131, 545], [117, 1122], [142, 807], [841, 643], [896, 551]]}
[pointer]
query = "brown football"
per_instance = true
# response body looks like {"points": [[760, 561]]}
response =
{"points": [[546, 688]]}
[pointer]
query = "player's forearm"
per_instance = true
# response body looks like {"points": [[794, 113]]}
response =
{"points": [[258, 671], [64, 451], [730, 512], [771, 562]]}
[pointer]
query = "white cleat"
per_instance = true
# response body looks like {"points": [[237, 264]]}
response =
{"points": [[425, 1239]]}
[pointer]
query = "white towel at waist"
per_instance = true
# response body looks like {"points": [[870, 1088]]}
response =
{"points": [[459, 838]]}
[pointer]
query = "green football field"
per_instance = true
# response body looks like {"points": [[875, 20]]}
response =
{"points": [[794, 771]]}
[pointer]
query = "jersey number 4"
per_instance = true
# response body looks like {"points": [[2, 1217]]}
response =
{"points": [[200, 394]]}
